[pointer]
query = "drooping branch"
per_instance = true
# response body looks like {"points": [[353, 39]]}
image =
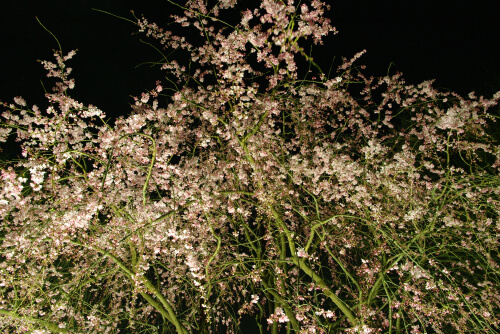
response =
{"points": [[169, 314]]}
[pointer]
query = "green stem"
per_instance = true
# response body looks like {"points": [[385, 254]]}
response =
{"points": [[47, 324], [288, 309], [316, 278], [149, 286]]}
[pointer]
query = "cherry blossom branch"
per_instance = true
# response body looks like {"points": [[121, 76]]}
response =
{"points": [[166, 310], [317, 279]]}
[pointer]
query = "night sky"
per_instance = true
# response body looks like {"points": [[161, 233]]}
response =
{"points": [[455, 44]]}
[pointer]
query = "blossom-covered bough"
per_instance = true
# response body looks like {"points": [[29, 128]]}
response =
{"points": [[252, 193]]}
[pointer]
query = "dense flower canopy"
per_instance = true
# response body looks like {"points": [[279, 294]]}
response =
{"points": [[306, 203]]}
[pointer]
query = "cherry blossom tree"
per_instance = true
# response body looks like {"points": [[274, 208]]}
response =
{"points": [[315, 204]]}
